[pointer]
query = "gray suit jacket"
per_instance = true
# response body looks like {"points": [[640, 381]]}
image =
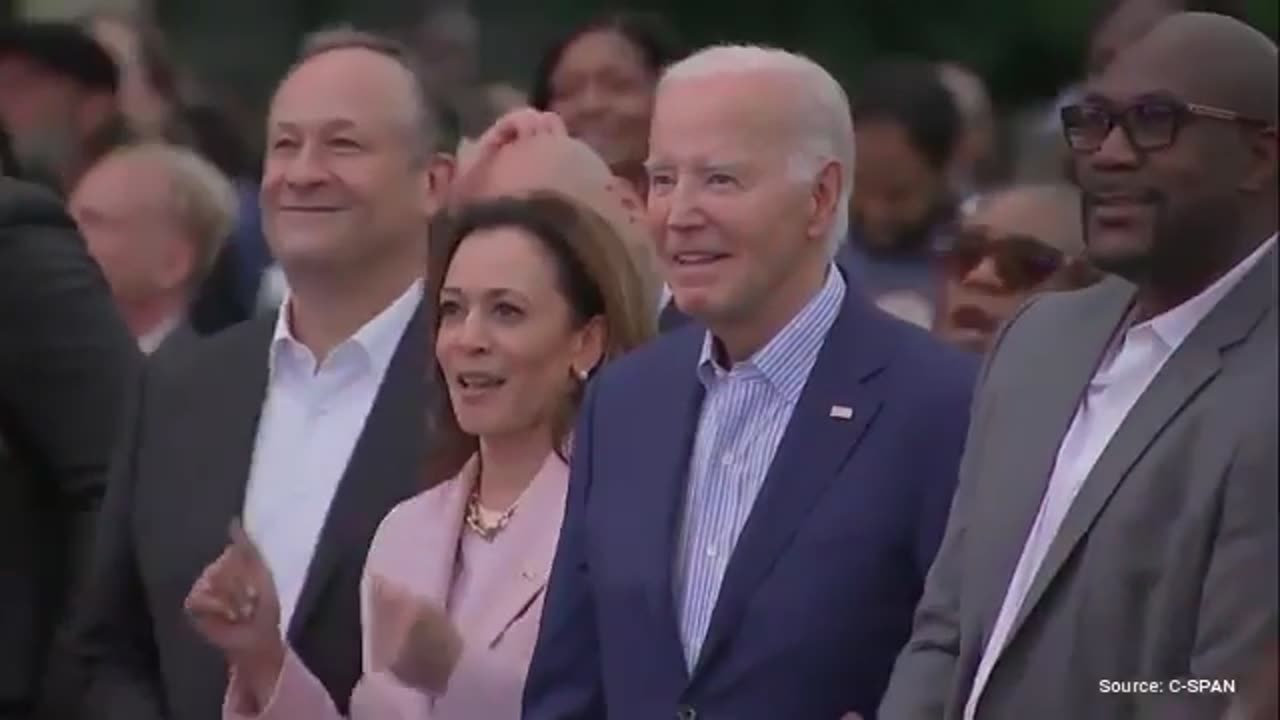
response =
{"points": [[1166, 564]]}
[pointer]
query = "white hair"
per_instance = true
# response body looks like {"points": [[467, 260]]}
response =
{"points": [[818, 105], [200, 196]]}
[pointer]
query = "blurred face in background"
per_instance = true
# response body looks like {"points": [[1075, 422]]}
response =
{"points": [[123, 209], [48, 115], [897, 193], [1016, 243], [509, 343], [604, 91], [345, 182]]}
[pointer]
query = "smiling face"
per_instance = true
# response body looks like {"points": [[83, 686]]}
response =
{"points": [[343, 183], [740, 238], [509, 344], [604, 92], [1154, 209]]}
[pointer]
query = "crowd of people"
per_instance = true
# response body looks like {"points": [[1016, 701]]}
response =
{"points": [[695, 386]]}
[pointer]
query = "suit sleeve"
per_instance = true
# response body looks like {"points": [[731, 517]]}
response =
{"points": [[114, 637], [1239, 600], [564, 681], [67, 364], [924, 674], [946, 428]]}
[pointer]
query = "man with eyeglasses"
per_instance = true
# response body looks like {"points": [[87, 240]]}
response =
{"points": [[1015, 243], [1113, 541]]}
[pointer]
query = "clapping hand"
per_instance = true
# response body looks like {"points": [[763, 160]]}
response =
{"points": [[413, 637], [234, 606]]}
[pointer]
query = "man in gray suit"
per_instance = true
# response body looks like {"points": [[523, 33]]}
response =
{"points": [[1116, 522]]}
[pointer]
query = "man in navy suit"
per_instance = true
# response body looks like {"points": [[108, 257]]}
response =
{"points": [[756, 497]]}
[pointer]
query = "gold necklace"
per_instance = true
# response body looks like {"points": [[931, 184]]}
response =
{"points": [[487, 530]]}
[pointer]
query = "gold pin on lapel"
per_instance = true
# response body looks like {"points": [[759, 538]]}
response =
{"points": [[841, 412]]}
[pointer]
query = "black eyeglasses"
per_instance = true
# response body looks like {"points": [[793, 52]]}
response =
{"points": [[1022, 262], [1149, 124]]}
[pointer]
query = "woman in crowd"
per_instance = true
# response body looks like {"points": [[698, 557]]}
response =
{"points": [[601, 80], [1017, 242], [531, 296]]}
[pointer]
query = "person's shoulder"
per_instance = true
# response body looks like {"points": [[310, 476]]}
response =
{"points": [[923, 360], [24, 203], [200, 357], [32, 218], [673, 352], [1057, 311]]}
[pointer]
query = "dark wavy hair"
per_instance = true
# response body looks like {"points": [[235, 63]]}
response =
{"points": [[595, 275], [657, 42], [910, 92]]}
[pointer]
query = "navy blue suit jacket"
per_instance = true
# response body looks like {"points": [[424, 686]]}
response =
{"points": [[818, 596]]}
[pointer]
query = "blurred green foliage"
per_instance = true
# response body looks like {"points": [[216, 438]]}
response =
{"points": [[1026, 49]]}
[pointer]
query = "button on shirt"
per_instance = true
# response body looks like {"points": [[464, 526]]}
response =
{"points": [[311, 418], [1128, 367], [744, 415]]}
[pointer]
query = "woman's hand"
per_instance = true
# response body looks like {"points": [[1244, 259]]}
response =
{"points": [[412, 638], [234, 606]]}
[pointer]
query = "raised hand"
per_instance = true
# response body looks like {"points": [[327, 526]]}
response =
{"points": [[474, 157], [412, 637], [234, 606]]}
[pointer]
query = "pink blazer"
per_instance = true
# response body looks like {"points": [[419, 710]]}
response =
{"points": [[416, 546]]}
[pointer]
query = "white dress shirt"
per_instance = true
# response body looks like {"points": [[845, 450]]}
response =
{"points": [[1130, 364], [311, 418]]}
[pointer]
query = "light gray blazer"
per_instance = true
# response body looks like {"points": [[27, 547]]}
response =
{"points": [[1166, 564]]}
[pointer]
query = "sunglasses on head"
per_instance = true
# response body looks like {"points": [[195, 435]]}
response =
{"points": [[1150, 124], [1022, 262]]}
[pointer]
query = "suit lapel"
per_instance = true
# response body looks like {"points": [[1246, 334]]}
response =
{"points": [[529, 545], [442, 515], [1192, 366], [669, 419], [385, 468], [1042, 421], [231, 404], [816, 444]]}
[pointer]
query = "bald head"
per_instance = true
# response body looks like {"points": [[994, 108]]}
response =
{"points": [[1209, 59], [546, 162], [569, 167]]}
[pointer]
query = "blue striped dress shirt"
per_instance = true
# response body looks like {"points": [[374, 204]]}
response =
{"points": [[744, 415]]}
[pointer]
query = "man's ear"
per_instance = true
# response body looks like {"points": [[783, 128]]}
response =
{"points": [[95, 108], [438, 182], [825, 199], [1264, 154]]}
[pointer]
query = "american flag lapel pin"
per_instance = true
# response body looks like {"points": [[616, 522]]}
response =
{"points": [[841, 412]]}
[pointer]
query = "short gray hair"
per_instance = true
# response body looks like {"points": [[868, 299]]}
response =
{"points": [[201, 199], [821, 110], [425, 126]]}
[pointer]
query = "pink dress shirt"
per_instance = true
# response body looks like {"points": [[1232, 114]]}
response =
{"points": [[493, 592]]}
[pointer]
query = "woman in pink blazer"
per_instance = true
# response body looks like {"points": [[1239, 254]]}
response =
{"points": [[532, 295]]}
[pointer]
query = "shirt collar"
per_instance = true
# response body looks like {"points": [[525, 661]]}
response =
{"points": [[376, 339], [153, 338], [785, 361], [1175, 325]]}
